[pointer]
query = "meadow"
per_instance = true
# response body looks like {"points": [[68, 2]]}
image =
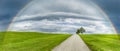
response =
{"points": [[38, 41], [1, 39], [102, 42], [31, 41]]}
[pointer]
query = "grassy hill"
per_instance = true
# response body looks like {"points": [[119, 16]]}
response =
{"points": [[32, 41], [97, 42]]}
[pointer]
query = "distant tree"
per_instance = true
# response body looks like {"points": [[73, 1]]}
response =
{"points": [[78, 31], [81, 30]]}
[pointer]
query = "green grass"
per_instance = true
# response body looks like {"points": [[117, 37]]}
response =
{"points": [[97, 42], [32, 41], [1, 38]]}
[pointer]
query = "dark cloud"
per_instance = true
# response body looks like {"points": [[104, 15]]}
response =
{"points": [[8, 9], [57, 17], [46, 16], [112, 8]]}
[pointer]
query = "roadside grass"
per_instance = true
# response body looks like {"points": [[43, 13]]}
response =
{"points": [[32, 41], [102, 42]]}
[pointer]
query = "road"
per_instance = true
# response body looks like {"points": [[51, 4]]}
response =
{"points": [[73, 43]]}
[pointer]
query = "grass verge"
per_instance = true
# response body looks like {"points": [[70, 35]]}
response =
{"points": [[97, 42]]}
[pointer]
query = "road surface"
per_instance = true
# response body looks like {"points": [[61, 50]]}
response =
{"points": [[73, 43]]}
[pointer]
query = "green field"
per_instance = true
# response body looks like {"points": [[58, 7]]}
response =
{"points": [[32, 41], [97, 42], [1, 38]]}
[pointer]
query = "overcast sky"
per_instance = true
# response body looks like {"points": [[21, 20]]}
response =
{"points": [[9, 9]]}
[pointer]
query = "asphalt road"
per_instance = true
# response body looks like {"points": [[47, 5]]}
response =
{"points": [[73, 43]]}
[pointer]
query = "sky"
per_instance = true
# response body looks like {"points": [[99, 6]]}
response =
{"points": [[112, 8], [9, 9]]}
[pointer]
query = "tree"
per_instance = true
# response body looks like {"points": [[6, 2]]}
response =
{"points": [[81, 30], [78, 31]]}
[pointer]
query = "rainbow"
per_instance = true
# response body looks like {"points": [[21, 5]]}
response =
{"points": [[27, 5]]}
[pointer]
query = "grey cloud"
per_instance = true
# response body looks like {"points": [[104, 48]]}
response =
{"points": [[57, 17], [49, 17]]}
